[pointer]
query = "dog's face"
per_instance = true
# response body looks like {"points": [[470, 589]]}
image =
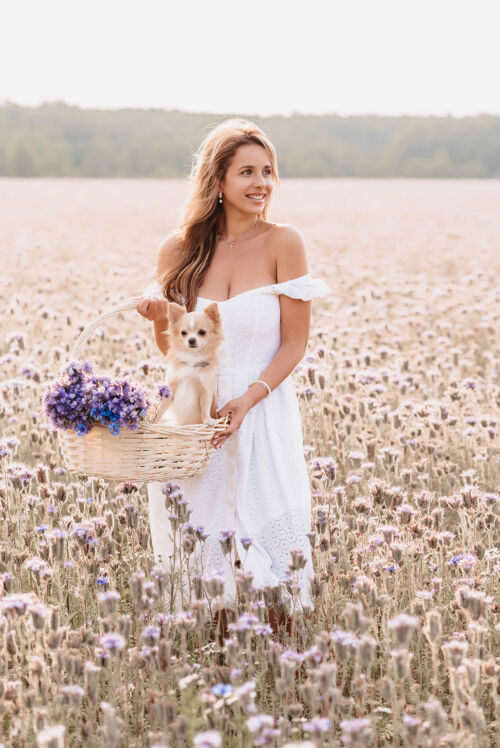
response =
{"points": [[194, 330]]}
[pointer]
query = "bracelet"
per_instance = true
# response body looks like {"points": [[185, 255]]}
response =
{"points": [[264, 384]]}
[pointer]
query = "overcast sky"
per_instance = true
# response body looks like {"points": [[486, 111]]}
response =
{"points": [[228, 56]]}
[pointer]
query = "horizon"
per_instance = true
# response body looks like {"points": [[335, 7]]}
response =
{"points": [[296, 113]]}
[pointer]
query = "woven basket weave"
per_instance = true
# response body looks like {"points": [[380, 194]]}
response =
{"points": [[153, 452]]}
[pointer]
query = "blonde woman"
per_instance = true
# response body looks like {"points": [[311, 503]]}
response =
{"points": [[226, 250]]}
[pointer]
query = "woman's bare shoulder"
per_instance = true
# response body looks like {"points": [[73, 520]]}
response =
{"points": [[289, 250], [168, 251]]}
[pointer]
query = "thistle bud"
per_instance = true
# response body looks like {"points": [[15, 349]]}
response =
{"points": [[402, 627], [401, 663], [436, 715], [455, 650], [298, 560], [357, 732], [432, 628], [91, 680], [365, 651]]}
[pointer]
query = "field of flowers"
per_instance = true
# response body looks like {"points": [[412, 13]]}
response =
{"points": [[400, 398]]}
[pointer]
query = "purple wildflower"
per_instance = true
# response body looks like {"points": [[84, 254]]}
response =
{"points": [[246, 543], [164, 391], [463, 560], [317, 725], [4, 450], [151, 634], [226, 540], [78, 401], [112, 642]]}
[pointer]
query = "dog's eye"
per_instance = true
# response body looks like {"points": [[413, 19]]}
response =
{"points": [[202, 332], [183, 332]]}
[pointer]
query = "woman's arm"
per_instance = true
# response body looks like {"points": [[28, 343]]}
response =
{"points": [[291, 262]]}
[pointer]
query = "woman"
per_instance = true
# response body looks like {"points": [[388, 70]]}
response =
{"points": [[256, 482]]}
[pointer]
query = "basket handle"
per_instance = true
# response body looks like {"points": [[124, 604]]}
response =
{"points": [[132, 303]]}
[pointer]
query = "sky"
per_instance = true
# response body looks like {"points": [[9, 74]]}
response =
{"points": [[346, 57]]}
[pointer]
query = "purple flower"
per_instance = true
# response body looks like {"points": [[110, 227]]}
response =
{"points": [[225, 539], [463, 560], [327, 464], [317, 725], [78, 400], [246, 543], [4, 450], [19, 474], [150, 634], [171, 489], [112, 642], [164, 391], [201, 534]]}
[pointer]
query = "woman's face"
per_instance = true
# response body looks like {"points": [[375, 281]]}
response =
{"points": [[249, 173]]}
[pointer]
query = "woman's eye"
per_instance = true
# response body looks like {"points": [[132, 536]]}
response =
{"points": [[268, 171], [202, 332]]}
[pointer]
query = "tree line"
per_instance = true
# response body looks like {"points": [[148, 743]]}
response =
{"points": [[58, 140]]}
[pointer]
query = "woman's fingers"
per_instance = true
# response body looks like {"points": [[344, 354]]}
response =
{"points": [[153, 308]]}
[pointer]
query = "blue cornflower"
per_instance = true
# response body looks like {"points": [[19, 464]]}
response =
{"points": [[103, 581], [221, 689]]}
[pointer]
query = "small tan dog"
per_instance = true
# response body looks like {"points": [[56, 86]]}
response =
{"points": [[191, 359]]}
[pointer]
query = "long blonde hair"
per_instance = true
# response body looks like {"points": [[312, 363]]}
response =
{"points": [[204, 216]]}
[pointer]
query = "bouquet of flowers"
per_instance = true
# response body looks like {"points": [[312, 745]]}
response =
{"points": [[79, 399]]}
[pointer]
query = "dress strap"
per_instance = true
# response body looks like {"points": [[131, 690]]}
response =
{"points": [[304, 287]]}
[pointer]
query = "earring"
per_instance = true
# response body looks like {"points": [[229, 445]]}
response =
{"points": [[220, 197]]}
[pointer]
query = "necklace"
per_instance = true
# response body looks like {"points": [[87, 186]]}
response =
{"points": [[239, 238]]}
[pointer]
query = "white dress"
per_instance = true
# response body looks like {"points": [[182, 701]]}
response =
{"points": [[257, 483]]}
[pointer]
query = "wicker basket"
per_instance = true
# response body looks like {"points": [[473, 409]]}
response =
{"points": [[153, 452]]}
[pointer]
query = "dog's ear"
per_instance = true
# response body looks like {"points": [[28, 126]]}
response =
{"points": [[212, 311], [175, 311]]}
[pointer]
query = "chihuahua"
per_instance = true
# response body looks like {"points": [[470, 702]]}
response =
{"points": [[192, 365]]}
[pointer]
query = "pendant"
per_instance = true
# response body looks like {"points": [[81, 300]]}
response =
{"points": [[231, 245]]}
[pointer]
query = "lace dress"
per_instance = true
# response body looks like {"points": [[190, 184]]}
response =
{"points": [[257, 483]]}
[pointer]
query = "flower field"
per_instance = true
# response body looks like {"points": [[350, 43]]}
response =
{"points": [[400, 400]]}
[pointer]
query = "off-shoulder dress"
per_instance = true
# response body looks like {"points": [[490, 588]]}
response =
{"points": [[257, 483]]}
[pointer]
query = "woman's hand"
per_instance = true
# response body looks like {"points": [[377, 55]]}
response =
{"points": [[153, 308], [238, 408]]}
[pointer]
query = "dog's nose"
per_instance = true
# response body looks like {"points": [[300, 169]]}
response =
{"points": [[192, 341]]}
